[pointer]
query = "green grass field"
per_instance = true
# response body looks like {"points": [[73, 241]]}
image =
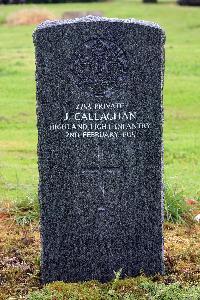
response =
{"points": [[18, 134]]}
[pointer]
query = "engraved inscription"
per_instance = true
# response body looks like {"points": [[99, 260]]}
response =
{"points": [[101, 120], [104, 166]]}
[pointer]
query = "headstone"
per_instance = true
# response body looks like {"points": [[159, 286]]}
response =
{"points": [[100, 153], [149, 1], [189, 2]]}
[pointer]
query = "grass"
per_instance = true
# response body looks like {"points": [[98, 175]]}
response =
{"points": [[26, 210], [175, 207], [18, 134], [129, 289], [20, 260]]}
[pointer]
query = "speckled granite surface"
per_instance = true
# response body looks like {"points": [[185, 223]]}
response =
{"points": [[100, 153]]}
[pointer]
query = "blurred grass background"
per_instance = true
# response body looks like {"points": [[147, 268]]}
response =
{"points": [[18, 133]]}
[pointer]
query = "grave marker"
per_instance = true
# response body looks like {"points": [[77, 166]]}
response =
{"points": [[100, 116]]}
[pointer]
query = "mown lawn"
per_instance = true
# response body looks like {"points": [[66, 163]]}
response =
{"points": [[18, 135]]}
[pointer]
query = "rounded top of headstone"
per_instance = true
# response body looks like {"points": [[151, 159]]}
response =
{"points": [[96, 19]]}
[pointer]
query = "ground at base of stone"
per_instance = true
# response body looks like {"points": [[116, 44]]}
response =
{"points": [[20, 256]]}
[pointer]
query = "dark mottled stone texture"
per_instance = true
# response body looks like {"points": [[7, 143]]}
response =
{"points": [[150, 1], [101, 189], [189, 2]]}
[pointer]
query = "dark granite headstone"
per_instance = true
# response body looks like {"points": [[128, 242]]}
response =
{"points": [[149, 1], [189, 2], [99, 108]]}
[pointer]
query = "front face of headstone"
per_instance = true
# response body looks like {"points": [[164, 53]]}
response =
{"points": [[99, 107]]}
